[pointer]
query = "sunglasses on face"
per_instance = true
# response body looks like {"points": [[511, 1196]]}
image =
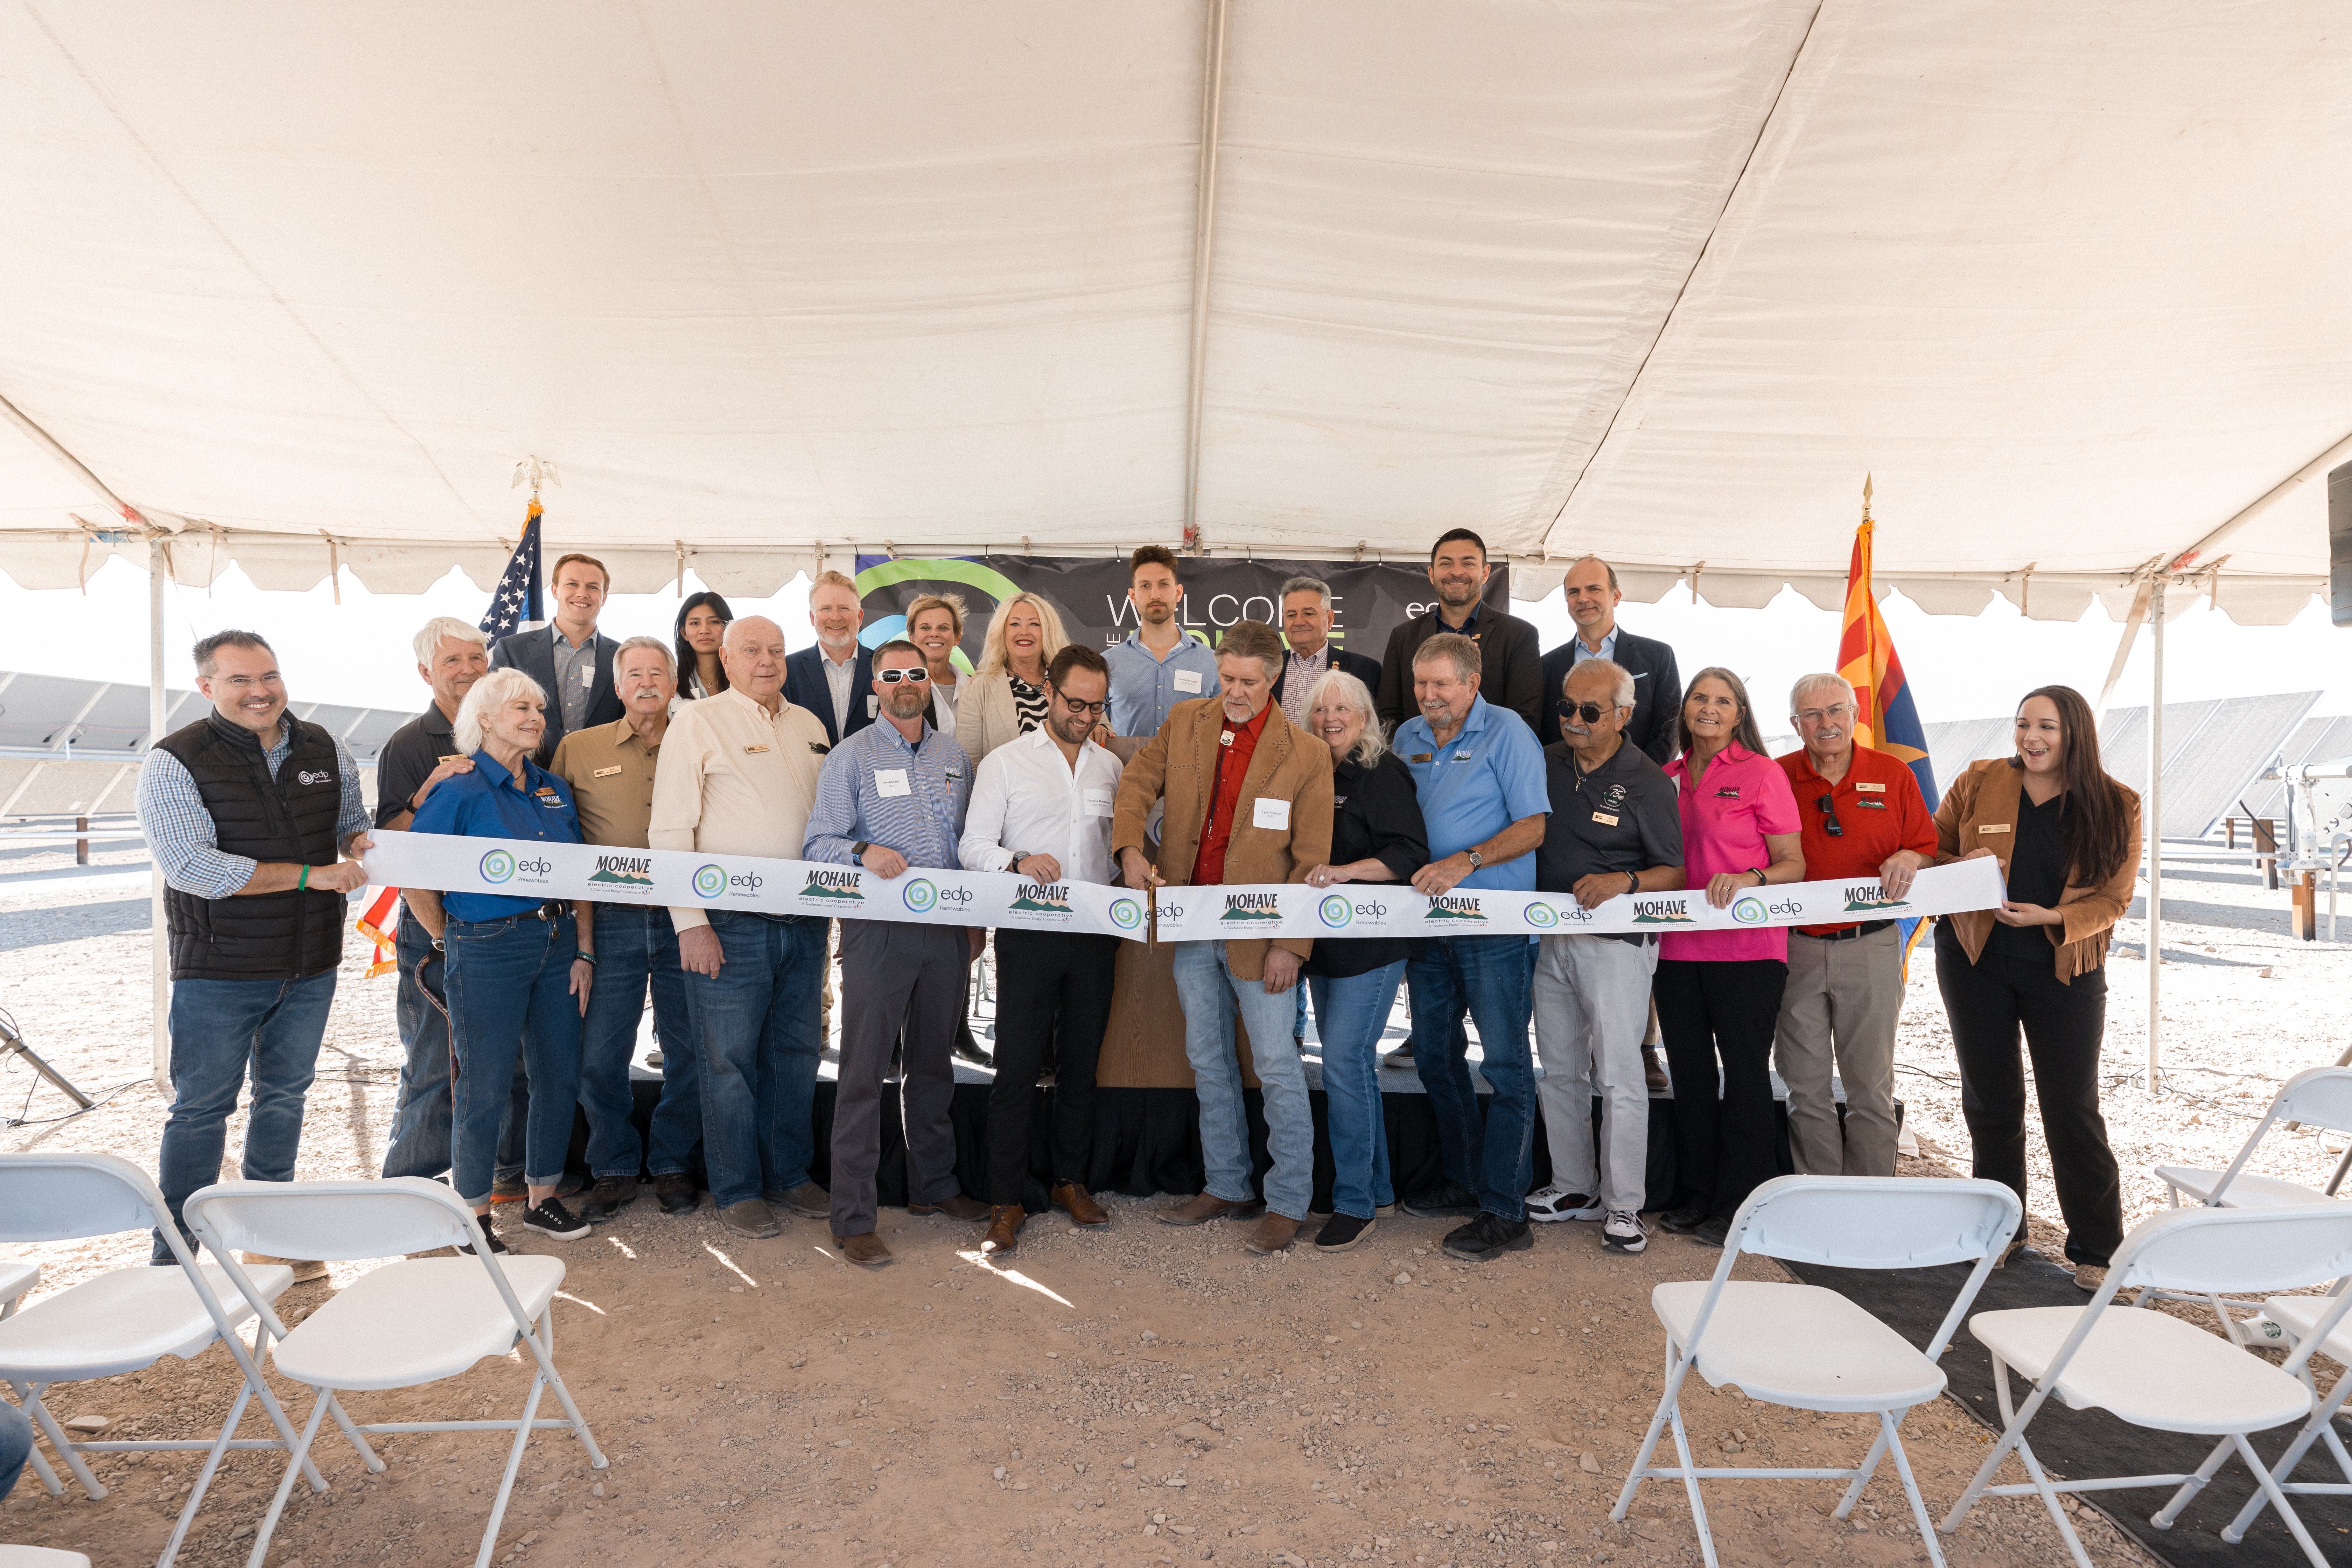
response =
{"points": [[1586, 712], [892, 676], [1096, 708], [1828, 809]]}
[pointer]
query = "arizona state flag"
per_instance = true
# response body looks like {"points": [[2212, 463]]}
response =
{"points": [[1886, 719]]}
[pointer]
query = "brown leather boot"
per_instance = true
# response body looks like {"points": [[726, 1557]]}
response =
{"points": [[1080, 1205], [1653, 1072], [1004, 1223], [866, 1251], [954, 1207], [1206, 1207], [1274, 1233]]}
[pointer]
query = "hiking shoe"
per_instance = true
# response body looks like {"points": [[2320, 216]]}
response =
{"points": [[1399, 1059], [1340, 1232], [549, 1217], [1560, 1201], [808, 1200], [608, 1197], [1442, 1201], [2090, 1276], [676, 1192], [1489, 1236], [751, 1218], [1624, 1231], [955, 1205], [491, 1237]]}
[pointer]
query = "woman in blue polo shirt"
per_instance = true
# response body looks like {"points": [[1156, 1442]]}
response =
{"points": [[517, 976]]}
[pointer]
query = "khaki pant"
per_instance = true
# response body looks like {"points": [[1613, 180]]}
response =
{"points": [[1838, 1011], [1591, 997]]}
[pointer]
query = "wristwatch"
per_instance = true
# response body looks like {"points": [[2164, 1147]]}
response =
{"points": [[858, 850], [1757, 872], [1018, 856], [1633, 882], [1476, 859]]}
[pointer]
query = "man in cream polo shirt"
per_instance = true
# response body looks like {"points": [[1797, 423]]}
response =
{"points": [[736, 776]]}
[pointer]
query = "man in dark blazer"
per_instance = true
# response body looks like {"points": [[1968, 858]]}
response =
{"points": [[839, 670], [569, 659], [1307, 627], [1510, 653], [1592, 595]]}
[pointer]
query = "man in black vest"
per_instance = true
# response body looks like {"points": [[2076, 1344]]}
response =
{"points": [[245, 812]]}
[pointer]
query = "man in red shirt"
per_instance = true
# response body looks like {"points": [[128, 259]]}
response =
{"points": [[1864, 820]]}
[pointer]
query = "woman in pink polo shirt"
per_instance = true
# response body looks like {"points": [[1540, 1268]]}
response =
{"points": [[1718, 992]]}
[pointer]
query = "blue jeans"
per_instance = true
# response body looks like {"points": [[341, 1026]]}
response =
{"points": [[1487, 975], [755, 1029], [1349, 1013], [633, 946], [1209, 992], [223, 1030], [510, 991], [425, 1119], [15, 1446]]}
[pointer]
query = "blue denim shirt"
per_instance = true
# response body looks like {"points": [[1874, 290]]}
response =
{"points": [[484, 803], [1143, 688], [924, 823]]}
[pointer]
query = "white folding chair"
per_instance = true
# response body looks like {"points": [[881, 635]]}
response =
{"points": [[40, 1557], [17, 1278], [2153, 1370], [1809, 1348], [2321, 1098], [403, 1323], [125, 1320]]}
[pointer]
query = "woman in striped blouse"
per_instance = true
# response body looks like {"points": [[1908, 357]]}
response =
{"points": [[1006, 696]]}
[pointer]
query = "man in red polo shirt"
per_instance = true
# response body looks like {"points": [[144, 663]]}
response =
{"points": [[1865, 820]]}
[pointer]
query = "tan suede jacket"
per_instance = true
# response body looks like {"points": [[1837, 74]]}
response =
{"points": [[1980, 812]]}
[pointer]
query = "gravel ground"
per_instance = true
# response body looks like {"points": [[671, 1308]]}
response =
{"points": [[763, 1402]]}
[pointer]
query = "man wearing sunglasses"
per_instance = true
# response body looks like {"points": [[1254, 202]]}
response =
{"points": [[891, 798], [1863, 819], [1043, 809]]}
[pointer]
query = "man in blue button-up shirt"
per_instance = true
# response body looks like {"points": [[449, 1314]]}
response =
{"points": [[1159, 664], [891, 799]]}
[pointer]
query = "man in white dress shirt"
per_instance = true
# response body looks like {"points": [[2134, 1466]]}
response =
{"points": [[1041, 808]]}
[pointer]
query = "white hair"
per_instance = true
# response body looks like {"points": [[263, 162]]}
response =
{"points": [[1315, 585], [1621, 680], [669, 660], [428, 641], [1353, 693], [493, 692], [1821, 678]]}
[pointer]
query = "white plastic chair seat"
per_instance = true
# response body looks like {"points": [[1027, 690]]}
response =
{"points": [[2300, 1314], [1798, 1345], [415, 1322], [17, 1278], [2148, 1368], [40, 1557], [2247, 1191], [122, 1320]]}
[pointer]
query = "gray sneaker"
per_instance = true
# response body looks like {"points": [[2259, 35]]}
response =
{"points": [[808, 1200], [751, 1218]]}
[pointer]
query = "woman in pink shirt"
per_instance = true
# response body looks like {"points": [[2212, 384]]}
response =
{"points": [[1718, 992]]}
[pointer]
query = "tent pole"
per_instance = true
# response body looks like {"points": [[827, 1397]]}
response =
{"points": [[1204, 229], [2152, 819], [158, 946]]}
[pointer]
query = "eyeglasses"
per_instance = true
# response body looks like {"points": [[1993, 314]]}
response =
{"points": [[1816, 715], [1590, 713], [1096, 708], [1829, 810], [892, 676]]}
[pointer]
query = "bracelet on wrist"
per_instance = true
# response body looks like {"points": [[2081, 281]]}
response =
{"points": [[304, 879], [583, 955]]}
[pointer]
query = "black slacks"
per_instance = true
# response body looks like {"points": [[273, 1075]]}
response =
{"points": [[1053, 994], [1989, 1002], [1721, 1012]]}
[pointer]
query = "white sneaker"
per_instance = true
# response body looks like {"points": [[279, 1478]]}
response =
{"points": [[1558, 1202], [1624, 1231]]}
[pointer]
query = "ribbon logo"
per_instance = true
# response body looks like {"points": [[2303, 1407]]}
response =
{"points": [[920, 896], [709, 881], [498, 866]]}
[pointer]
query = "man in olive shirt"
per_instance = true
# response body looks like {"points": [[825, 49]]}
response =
{"points": [[610, 768], [1614, 828]]}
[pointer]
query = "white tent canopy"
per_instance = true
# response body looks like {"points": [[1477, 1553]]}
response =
{"points": [[303, 282]]}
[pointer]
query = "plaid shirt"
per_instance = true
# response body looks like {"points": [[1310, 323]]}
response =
{"points": [[179, 832]]}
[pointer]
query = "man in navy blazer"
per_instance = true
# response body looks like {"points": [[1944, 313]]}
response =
{"points": [[569, 659], [834, 679], [1307, 627], [1592, 595]]}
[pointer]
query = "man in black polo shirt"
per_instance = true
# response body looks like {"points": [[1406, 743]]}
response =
{"points": [[451, 655], [1613, 829]]}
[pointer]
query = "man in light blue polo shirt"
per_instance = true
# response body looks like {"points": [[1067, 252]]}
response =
{"points": [[1480, 773], [1157, 665]]}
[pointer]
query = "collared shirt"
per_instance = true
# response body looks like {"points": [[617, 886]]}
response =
{"points": [[1489, 775], [1578, 653], [1027, 798], [877, 789], [611, 773], [735, 779], [1299, 680], [1878, 810], [180, 831], [1621, 816], [484, 803], [1144, 687], [408, 759], [839, 674], [575, 675], [1725, 815], [1236, 743]]}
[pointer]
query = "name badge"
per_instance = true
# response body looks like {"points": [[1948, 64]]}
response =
{"points": [[603, 773], [1417, 757], [1985, 827], [758, 748], [454, 757], [890, 781], [544, 789], [1188, 680], [1270, 812], [1098, 801], [1603, 819], [1870, 789], [588, 675]]}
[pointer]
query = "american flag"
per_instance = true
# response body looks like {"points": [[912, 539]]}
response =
{"points": [[516, 598]]}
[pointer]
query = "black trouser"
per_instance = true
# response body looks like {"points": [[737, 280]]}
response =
{"points": [[1711, 1011], [1989, 1001], [1053, 994]]}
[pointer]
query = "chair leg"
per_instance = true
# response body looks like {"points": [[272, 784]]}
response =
{"points": [[1888, 1420], [248, 1361], [1690, 1485], [545, 1353], [2049, 1501], [357, 1438], [2288, 1516], [204, 1476], [507, 1481], [2163, 1517], [1633, 1477], [2321, 1424], [1864, 1472], [294, 1464], [58, 1441], [55, 1486]]}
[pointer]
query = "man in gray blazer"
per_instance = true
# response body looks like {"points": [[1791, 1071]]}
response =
{"points": [[569, 659]]}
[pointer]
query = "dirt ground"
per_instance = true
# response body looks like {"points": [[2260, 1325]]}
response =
{"points": [[1140, 1395]]}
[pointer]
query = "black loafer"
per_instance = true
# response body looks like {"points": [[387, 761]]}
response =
{"points": [[1682, 1222], [1340, 1232]]}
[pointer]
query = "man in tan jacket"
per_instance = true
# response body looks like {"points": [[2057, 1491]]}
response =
{"points": [[1248, 802]]}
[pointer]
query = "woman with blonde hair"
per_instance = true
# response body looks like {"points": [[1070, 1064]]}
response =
{"points": [[1006, 695]]}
